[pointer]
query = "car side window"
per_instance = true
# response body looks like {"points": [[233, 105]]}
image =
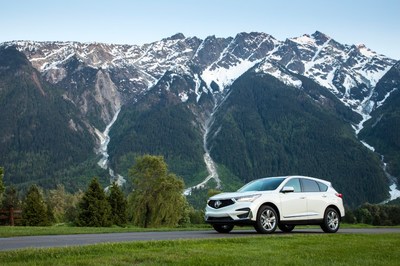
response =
{"points": [[322, 187], [295, 183], [309, 185]]}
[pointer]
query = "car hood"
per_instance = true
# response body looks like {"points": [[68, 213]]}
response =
{"points": [[230, 195]]}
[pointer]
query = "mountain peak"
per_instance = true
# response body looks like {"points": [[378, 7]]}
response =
{"points": [[177, 36], [303, 40], [320, 36], [317, 38], [365, 50]]}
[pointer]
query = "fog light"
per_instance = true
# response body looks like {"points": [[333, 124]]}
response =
{"points": [[244, 215]]}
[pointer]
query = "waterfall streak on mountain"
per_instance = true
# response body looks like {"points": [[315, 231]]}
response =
{"points": [[103, 150], [104, 141], [365, 111], [210, 164], [394, 192]]}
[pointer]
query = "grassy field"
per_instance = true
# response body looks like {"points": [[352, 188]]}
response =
{"points": [[287, 249]]}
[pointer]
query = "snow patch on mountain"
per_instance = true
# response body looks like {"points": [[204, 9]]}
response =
{"points": [[197, 88], [183, 96], [367, 145], [224, 77], [380, 103], [365, 51], [271, 69]]}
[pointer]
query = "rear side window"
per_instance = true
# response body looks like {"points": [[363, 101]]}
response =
{"points": [[310, 185], [322, 187]]}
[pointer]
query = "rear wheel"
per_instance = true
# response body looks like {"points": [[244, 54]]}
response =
{"points": [[286, 227], [331, 221], [223, 228], [267, 220]]}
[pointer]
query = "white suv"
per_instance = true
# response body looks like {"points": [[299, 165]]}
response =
{"points": [[273, 202]]}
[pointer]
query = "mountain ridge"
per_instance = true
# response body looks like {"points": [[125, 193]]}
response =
{"points": [[242, 50], [193, 79]]}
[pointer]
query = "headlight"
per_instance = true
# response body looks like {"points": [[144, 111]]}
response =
{"points": [[249, 198]]}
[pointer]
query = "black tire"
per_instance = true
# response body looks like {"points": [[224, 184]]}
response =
{"points": [[267, 220], [287, 228], [331, 221], [223, 228]]}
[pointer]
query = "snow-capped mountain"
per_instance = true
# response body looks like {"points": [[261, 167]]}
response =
{"points": [[122, 89], [348, 71]]}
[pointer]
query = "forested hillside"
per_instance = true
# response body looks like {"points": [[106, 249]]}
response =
{"points": [[266, 128], [382, 131], [41, 133], [160, 124], [220, 110]]}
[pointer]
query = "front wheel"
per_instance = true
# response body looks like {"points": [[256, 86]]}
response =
{"points": [[331, 221], [267, 220], [223, 228]]}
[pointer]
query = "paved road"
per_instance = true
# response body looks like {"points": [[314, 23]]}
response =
{"points": [[14, 243]]}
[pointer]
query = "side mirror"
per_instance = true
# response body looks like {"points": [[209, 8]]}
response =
{"points": [[287, 189]]}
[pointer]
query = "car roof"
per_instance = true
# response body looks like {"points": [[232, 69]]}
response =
{"points": [[301, 176]]}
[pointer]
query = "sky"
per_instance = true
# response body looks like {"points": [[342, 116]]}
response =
{"points": [[375, 23]]}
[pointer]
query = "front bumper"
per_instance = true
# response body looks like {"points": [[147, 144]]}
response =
{"points": [[238, 214]]}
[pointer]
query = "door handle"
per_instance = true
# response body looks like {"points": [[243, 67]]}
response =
{"points": [[324, 196]]}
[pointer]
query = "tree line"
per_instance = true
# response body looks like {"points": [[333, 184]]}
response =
{"points": [[156, 200], [374, 214]]}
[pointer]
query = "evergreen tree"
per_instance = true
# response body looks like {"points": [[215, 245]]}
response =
{"points": [[118, 205], [34, 211], [157, 198], [11, 201], [94, 209], [10, 198]]}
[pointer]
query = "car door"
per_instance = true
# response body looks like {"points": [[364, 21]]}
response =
{"points": [[316, 199], [293, 204]]}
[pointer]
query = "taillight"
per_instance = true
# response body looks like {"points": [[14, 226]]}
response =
{"points": [[339, 195]]}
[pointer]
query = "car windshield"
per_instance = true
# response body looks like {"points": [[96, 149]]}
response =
{"points": [[262, 184]]}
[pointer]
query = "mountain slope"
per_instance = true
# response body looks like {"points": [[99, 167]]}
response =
{"points": [[266, 128], [253, 102], [382, 131], [167, 121], [41, 133], [262, 128]]}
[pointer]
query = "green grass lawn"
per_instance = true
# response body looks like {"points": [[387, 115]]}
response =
{"points": [[287, 249]]}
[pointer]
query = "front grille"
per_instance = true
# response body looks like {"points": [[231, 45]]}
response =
{"points": [[217, 204]]}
